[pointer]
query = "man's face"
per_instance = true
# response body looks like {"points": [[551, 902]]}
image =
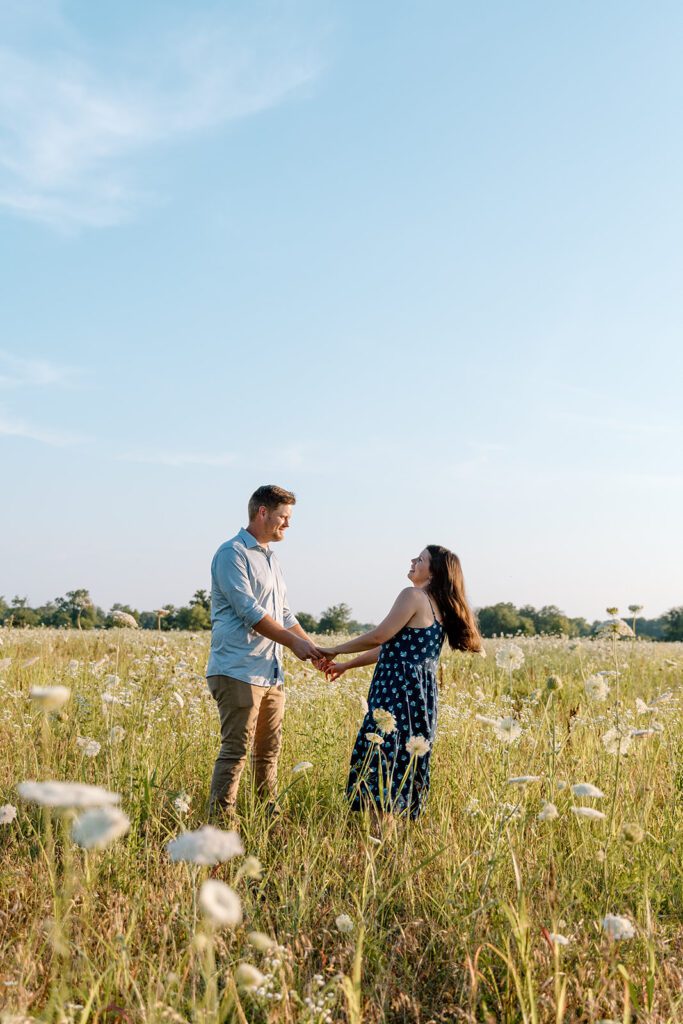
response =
{"points": [[276, 521]]}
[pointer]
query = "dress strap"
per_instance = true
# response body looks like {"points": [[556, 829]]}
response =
{"points": [[431, 606]]}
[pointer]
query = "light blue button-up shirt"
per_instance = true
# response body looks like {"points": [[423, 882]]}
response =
{"points": [[246, 584]]}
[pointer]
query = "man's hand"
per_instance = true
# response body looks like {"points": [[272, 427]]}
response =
{"points": [[305, 649]]}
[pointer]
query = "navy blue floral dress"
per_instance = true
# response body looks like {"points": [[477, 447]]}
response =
{"points": [[404, 683]]}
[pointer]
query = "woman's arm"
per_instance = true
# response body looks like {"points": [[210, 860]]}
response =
{"points": [[338, 668], [405, 606]]}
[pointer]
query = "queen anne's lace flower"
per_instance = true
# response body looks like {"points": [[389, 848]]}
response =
{"points": [[510, 657], [418, 746], [344, 924], [99, 827], [586, 789], [616, 740], [587, 812], [248, 978], [66, 795], [384, 720], [596, 688], [50, 698], [7, 814], [548, 811], [220, 904], [617, 927], [206, 845]]}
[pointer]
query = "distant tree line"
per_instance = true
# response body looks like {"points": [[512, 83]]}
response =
{"points": [[77, 610]]}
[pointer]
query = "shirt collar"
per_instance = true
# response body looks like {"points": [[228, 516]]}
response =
{"points": [[250, 541]]}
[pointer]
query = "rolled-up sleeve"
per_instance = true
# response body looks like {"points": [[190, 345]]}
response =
{"points": [[288, 618], [230, 569]]}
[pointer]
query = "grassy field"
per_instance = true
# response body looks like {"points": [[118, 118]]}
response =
{"points": [[481, 911]]}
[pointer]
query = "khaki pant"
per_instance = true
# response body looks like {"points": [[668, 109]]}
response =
{"points": [[249, 714]]}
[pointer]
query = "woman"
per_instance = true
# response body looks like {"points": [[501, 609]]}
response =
{"points": [[390, 761]]}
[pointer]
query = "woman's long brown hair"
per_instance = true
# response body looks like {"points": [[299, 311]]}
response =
{"points": [[447, 587]]}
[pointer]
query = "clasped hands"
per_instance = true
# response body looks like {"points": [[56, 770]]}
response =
{"points": [[320, 657]]}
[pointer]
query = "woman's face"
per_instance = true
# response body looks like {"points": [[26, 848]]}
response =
{"points": [[420, 573]]}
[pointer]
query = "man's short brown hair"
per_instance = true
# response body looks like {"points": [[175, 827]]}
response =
{"points": [[271, 496]]}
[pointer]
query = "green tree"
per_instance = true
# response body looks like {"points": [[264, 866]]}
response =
{"points": [[20, 614], [200, 597], [673, 624], [335, 619], [307, 622], [500, 618]]}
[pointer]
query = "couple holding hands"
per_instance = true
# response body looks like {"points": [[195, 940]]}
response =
{"points": [[250, 624]]}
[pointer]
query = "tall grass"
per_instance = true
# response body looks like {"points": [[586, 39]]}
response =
{"points": [[455, 916]]}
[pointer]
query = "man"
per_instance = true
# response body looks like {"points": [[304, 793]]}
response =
{"points": [[250, 624]]}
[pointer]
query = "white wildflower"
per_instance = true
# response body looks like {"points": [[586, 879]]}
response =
{"points": [[418, 746], [50, 698], [587, 812], [116, 733], [206, 845], [374, 737], [302, 766], [260, 941], [179, 699], [616, 741], [248, 978], [344, 924], [384, 720], [251, 867], [617, 927], [642, 708], [596, 688], [559, 940], [99, 827], [124, 619], [90, 748], [63, 795], [523, 780], [220, 904], [548, 811], [586, 789], [614, 627], [7, 814], [510, 657], [182, 803]]}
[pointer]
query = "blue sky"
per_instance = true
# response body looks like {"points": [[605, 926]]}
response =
{"points": [[419, 262]]}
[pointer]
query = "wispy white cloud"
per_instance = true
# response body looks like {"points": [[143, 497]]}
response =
{"points": [[180, 459], [17, 372], [12, 427], [73, 118]]}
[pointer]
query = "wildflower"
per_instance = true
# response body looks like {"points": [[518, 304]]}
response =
{"points": [[614, 627], [616, 741], [363, 705], [251, 867], [7, 814], [617, 927], [344, 924], [632, 833], [260, 941], [473, 809], [66, 795], [116, 733], [553, 683], [50, 698], [206, 845], [523, 780], [99, 827], [559, 940], [507, 730], [374, 737], [548, 811], [124, 619], [561, 784], [642, 708], [587, 812], [179, 699], [418, 746], [182, 803], [612, 611], [248, 978], [586, 789], [302, 766], [220, 904], [384, 720], [510, 657], [596, 688], [90, 748]]}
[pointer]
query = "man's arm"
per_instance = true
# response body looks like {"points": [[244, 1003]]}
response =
{"points": [[294, 638]]}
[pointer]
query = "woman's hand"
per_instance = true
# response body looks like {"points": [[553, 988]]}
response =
{"points": [[335, 670]]}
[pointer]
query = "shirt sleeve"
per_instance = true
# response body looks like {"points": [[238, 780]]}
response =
{"points": [[232, 578], [288, 619]]}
